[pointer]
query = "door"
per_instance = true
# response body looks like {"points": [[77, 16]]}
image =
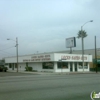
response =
{"points": [[75, 66], [12, 66], [71, 66]]}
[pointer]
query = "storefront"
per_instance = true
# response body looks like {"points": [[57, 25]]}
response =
{"points": [[53, 62]]}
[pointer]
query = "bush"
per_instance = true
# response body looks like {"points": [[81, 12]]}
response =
{"points": [[28, 68], [5, 69]]}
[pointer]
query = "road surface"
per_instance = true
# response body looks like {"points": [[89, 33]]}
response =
{"points": [[48, 87]]}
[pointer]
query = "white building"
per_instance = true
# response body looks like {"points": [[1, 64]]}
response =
{"points": [[54, 62]]}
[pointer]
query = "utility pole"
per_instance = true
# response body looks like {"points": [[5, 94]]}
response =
{"points": [[96, 56], [82, 38], [70, 50], [17, 52], [82, 48]]}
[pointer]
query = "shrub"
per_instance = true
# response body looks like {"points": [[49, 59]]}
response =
{"points": [[5, 68], [28, 68]]}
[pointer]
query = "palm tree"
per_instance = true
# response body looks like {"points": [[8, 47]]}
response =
{"points": [[82, 34]]}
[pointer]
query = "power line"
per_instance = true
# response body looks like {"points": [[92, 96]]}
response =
{"points": [[7, 48], [6, 52]]}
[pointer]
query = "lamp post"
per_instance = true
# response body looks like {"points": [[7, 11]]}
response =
{"points": [[16, 50], [83, 43], [96, 56]]}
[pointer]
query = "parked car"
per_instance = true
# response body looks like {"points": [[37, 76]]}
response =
{"points": [[3, 69]]}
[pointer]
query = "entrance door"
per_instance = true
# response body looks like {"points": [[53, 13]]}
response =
{"points": [[71, 66], [12, 66], [75, 66]]}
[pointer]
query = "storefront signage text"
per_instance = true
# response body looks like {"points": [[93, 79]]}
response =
{"points": [[38, 58], [73, 58]]}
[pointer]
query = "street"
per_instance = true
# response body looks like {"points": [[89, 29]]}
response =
{"points": [[48, 87]]}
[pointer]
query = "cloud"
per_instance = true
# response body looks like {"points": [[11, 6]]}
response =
{"points": [[43, 25]]}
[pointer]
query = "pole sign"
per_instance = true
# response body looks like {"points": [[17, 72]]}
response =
{"points": [[70, 42]]}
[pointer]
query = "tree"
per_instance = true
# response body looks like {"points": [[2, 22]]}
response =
{"points": [[82, 34]]}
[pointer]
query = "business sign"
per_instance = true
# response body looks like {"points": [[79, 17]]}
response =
{"points": [[70, 42], [73, 57], [38, 58]]}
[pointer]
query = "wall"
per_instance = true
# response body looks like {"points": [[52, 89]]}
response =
{"points": [[37, 65], [21, 67]]}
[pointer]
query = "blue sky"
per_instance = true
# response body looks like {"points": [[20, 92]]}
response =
{"points": [[43, 25]]}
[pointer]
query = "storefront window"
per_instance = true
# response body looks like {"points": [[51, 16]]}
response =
{"points": [[6, 64], [80, 65], [62, 65], [85, 65], [10, 65], [47, 65]]}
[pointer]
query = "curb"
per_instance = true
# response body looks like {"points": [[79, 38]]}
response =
{"points": [[56, 73]]}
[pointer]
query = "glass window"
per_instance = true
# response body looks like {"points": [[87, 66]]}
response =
{"points": [[85, 65], [6, 64], [47, 65], [10, 65], [62, 65], [15, 65], [80, 65]]}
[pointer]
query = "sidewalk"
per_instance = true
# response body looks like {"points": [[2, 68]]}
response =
{"points": [[55, 73]]}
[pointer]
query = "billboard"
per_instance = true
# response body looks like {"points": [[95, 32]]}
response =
{"points": [[70, 42]]}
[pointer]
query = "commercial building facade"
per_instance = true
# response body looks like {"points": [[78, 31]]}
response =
{"points": [[51, 62]]}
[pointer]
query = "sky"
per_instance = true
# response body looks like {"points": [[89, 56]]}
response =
{"points": [[43, 25]]}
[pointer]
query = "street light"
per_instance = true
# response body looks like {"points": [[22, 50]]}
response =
{"points": [[16, 50], [83, 44]]}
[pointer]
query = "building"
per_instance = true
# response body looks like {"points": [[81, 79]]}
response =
{"points": [[51, 62], [92, 64], [2, 63]]}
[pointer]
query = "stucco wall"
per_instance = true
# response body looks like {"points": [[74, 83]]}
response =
{"points": [[35, 61]]}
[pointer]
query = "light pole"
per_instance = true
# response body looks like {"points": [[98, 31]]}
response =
{"points": [[96, 56], [16, 50], [83, 43]]}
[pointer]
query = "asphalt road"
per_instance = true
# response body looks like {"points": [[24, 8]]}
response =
{"points": [[48, 87], [5, 74]]}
